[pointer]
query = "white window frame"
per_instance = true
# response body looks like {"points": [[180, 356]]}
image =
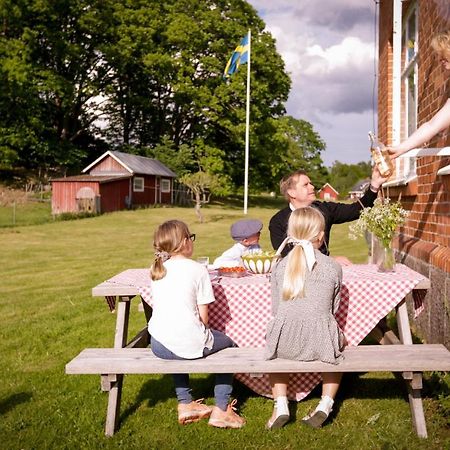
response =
{"points": [[138, 184], [165, 185], [406, 168]]}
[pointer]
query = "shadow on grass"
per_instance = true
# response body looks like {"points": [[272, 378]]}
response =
{"points": [[152, 392], [13, 400], [353, 386], [161, 389]]}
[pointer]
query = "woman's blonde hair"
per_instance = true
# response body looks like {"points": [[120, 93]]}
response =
{"points": [[305, 224], [441, 43], [168, 239]]}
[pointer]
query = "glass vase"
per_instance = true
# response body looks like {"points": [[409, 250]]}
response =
{"points": [[385, 258]]}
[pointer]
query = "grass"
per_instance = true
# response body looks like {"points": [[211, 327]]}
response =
{"points": [[48, 316], [31, 213]]}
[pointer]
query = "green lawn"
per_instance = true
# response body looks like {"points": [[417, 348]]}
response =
{"points": [[48, 316]]}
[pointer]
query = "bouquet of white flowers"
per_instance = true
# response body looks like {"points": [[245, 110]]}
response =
{"points": [[382, 219]]}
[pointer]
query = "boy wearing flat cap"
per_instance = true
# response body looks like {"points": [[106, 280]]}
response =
{"points": [[246, 233]]}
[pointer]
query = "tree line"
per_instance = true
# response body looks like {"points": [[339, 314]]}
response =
{"points": [[78, 77]]}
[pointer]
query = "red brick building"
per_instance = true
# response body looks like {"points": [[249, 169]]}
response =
{"points": [[328, 192], [113, 182], [412, 87]]}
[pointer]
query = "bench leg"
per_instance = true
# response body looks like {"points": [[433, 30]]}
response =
{"points": [[416, 405], [113, 411], [413, 380]]}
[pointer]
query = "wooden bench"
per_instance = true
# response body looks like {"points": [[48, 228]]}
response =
{"points": [[410, 360]]}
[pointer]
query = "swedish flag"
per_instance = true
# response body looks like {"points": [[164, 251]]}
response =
{"points": [[239, 56]]}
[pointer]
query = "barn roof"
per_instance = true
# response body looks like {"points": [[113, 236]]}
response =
{"points": [[331, 187], [360, 185], [93, 178], [136, 164]]}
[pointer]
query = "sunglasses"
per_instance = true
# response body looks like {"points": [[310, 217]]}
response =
{"points": [[192, 237]]}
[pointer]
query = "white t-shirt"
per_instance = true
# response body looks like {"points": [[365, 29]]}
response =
{"points": [[233, 256], [175, 320]]}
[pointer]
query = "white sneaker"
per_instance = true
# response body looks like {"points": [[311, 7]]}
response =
{"points": [[320, 414], [281, 410]]}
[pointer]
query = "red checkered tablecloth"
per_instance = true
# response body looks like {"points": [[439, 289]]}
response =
{"points": [[242, 310]]}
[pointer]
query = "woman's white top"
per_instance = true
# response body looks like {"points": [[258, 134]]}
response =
{"points": [[175, 320]]}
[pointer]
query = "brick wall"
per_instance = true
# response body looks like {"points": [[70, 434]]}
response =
{"points": [[424, 242]]}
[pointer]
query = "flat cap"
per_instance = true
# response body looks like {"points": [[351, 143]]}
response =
{"points": [[242, 229]]}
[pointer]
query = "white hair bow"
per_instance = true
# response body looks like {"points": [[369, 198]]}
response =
{"points": [[307, 248]]}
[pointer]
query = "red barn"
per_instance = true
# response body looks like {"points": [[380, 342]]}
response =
{"points": [[327, 192], [113, 182]]}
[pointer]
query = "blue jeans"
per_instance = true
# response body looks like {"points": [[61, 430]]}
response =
{"points": [[223, 386]]}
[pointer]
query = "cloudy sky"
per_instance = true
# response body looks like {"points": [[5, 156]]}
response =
{"points": [[328, 49]]}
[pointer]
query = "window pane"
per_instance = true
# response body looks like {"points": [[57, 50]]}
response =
{"points": [[412, 106], [411, 36], [165, 185], [138, 184]]}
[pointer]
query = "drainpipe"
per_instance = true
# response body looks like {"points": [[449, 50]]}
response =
{"points": [[396, 70]]}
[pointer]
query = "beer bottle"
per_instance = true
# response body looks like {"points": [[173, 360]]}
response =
{"points": [[381, 157]]}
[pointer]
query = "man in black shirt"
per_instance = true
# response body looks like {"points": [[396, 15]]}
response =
{"points": [[299, 192]]}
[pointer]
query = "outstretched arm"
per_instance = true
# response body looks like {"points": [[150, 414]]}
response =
{"points": [[425, 132]]}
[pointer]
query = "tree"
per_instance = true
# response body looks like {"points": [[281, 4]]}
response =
{"points": [[51, 72], [152, 71], [167, 60], [344, 176], [297, 146], [201, 185]]}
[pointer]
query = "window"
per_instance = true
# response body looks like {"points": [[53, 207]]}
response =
{"points": [[165, 185], [138, 184], [406, 167]]}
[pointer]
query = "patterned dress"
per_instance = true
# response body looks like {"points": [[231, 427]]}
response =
{"points": [[305, 329]]}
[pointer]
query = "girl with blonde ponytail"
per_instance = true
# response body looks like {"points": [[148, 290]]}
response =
{"points": [[306, 225], [306, 288]]}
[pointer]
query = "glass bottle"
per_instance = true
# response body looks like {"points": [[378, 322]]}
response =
{"points": [[381, 157]]}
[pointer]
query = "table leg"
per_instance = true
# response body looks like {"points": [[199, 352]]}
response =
{"points": [[120, 340], [123, 315], [383, 334], [413, 380], [404, 329]]}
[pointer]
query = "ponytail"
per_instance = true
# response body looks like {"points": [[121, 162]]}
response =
{"points": [[305, 224], [168, 239], [294, 277]]}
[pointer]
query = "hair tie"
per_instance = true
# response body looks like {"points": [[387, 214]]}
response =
{"points": [[307, 248], [163, 255]]}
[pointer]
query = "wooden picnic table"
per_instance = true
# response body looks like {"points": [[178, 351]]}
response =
{"points": [[242, 310]]}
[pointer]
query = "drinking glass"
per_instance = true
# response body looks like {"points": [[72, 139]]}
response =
{"points": [[203, 260]]}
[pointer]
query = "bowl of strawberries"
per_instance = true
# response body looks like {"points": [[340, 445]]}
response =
{"points": [[233, 272]]}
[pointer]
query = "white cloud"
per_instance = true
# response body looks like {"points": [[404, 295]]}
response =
{"points": [[328, 50]]}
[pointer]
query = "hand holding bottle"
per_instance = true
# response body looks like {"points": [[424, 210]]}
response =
{"points": [[380, 155]]}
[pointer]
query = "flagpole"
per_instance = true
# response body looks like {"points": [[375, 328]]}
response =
{"points": [[247, 125]]}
